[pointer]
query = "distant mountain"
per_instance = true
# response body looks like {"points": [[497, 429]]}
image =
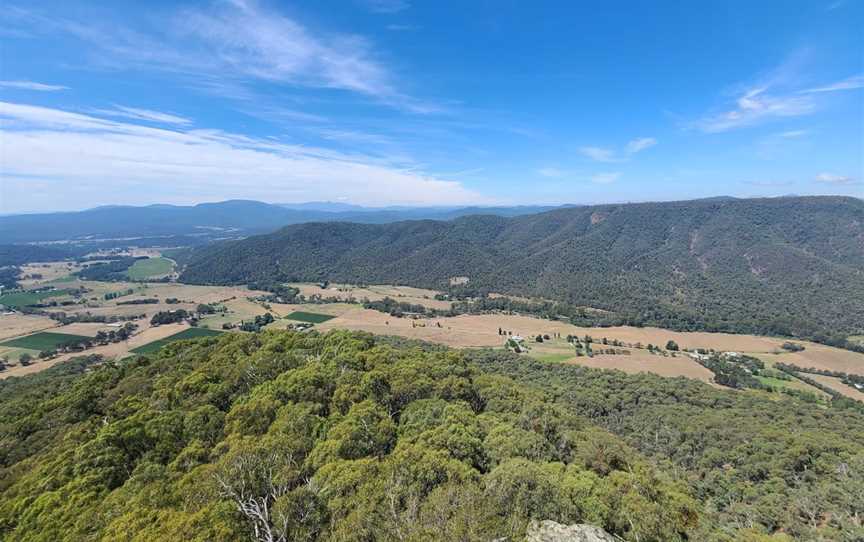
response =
{"points": [[326, 206], [208, 221], [782, 265]]}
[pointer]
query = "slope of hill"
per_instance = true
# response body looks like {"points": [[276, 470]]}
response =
{"points": [[21, 254], [789, 266], [346, 436], [234, 218]]}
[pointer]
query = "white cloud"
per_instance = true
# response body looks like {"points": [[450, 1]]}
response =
{"points": [[833, 178], [755, 106], [550, 172], [232, 42], [32, 85], [604, 154], [386, 6], [144, 114], [640, 144], [83, 160], [598, 154], [402, 27], [267, 45], [851, 83], [793, 134], [606, 178]]}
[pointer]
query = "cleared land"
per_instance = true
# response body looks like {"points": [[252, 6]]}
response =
{"points": [[44, 340], [146, 334], [48, 272], [233, 305], [150, 268], [191, 333], [791, 384], [310, 317], [25, 298], [482, 331], [15, 325], [837, 385], [405, 294]]}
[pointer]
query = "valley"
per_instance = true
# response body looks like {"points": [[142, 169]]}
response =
{"points": [[334, 306]]}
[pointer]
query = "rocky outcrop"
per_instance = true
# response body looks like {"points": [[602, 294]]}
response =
{"points": [[550, 531]]}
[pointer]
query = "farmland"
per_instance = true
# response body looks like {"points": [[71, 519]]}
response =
{"points": [[190, 333], [234, 305], [44, 340], [309, 317], [27, 297], [150, 268]]}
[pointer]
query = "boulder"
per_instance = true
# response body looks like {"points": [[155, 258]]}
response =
{"points": [[550, 531]]}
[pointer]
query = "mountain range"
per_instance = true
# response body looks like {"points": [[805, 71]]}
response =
{"points": [[208, 221], [790, 266]]}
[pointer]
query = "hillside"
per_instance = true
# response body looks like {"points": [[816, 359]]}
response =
{"points": [[206, 221], [347, 436], [791, 266]]}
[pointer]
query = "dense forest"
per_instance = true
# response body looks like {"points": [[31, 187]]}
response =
{"points": [[347, 436], [15, 255], [176, 225], [786, 266]]}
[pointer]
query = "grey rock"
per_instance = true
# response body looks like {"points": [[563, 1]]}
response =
{"points": [[550, 531]]}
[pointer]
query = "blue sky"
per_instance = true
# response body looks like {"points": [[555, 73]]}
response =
{"points": [[395, 102]]}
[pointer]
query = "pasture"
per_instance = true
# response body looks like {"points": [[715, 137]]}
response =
{"points": [[482, 331], [16, 325], [43, 340], [377, 292], [309, 317], [837, 385], [29, 297], [47, 273], [190, 333], [150, 268]]}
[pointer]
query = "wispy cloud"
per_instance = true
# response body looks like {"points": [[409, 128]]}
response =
{"points": [[833, 178], [99, 160], [605, 154], [598, 154], [778, 94], [402, 27], [606, 178], [793, 134], [754, 106], [32, 85], [550, 172], [851, 83], [144, 114], [239, 40], [385, 6], [640, 144]]}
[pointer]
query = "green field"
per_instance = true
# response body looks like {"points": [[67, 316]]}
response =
{"points": [[552, 357], [191, 333], [44, 340], [150, 268], [310, 317], [22, 299]]}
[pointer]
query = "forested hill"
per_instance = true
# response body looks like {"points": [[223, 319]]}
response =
{"points": [[235, 218], [790, 265], [284, 436]]}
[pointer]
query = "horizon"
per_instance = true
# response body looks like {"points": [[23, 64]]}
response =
{"points": [[360, 208], [389, 103]]}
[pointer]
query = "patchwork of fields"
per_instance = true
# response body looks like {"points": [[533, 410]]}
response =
{"points": [[237, 304], [150, 268], [190, 333], [44, 340]]}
